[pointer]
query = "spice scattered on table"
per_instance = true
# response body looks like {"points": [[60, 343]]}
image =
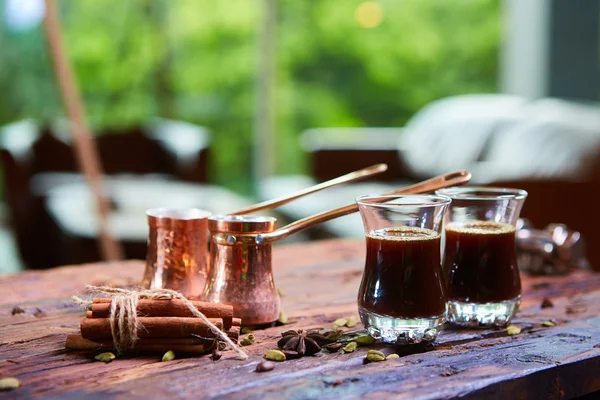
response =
{"points": [[365, 340], [340, 322], [17, 310], [548, 324], [291, 354], [332, 336], [168, 356], [246, 330], [275, 355], [305, 343], [513, 330], [375, 356], [350, 347], [265, 366], [283, 319], [392, 356], [7, 384], [39, 313], [248, 340], [105, 357], [334, 347], [216, 355], [351, 323], [547, 303]]}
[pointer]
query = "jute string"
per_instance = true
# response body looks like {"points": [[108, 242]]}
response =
{"points": [[123, 314]]}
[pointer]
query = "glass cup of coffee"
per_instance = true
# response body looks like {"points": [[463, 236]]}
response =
{"points": [[483, 283], [401, 297]]}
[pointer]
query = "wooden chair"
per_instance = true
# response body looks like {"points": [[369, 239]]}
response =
{"points": [[29, 151]]}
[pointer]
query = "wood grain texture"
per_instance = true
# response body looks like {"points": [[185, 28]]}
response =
{"points": [[320, 281]]}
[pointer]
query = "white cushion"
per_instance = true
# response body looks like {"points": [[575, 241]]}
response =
{"points": [[451, 133], [556, 139]]}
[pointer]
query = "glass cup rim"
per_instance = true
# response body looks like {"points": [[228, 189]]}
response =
{"points": [[426, 200], [482, 193]]}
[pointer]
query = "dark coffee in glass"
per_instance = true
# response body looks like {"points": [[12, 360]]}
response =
{"points": [[403, 274], [401, 297], [480, 262], [483, 285]]}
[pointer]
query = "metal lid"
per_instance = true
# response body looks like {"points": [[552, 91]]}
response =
{"points": [[241, 224]]}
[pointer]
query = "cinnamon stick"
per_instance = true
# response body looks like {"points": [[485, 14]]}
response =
{"points": [[168, 308], [152, 327], [233, 333], [196, 346]]}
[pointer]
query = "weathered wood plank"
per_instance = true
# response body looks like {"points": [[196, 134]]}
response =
{"points": [[320, 281]]}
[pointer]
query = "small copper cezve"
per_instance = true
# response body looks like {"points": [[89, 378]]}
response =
{"points": [[177, 250]]}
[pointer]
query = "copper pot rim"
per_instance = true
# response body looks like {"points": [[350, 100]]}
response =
{"points": [[241, 223], [180, 217]]}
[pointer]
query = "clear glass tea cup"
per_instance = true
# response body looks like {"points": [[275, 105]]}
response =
{"points": [[483, 283], [401, 297]]}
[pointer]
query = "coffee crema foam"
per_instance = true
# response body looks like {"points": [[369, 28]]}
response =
{"points": [[404, 234], [481, 228]]}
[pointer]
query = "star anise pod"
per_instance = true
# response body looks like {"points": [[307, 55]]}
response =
{"points": [[305, 343]]}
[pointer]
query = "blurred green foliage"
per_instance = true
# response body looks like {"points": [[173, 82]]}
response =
{"points": [[196, 60]]}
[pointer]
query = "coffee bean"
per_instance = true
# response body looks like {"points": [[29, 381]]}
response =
{"points": [[265, 366]]}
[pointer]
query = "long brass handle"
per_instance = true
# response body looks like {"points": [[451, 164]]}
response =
{"points": [[351, 177], [439, 182]]}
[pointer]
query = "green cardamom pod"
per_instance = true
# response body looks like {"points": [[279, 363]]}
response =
{"points": [[340, 322], [275, 355], [351, 323], [375, 355], [350, 347], [246, 330], [513, 330], [169, 356], [283, 317], [365, 340], [248, 340], [392, 356], [105, 357], [548, 324], [7, 384]]}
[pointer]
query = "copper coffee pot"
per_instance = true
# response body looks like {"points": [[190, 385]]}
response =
{"points": [[240, 253], [177, 242]]}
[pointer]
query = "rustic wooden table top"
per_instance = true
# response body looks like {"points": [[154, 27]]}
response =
{"points": [[320, 281]]}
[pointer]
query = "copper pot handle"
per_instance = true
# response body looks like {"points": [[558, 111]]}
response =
{"points": [[351, 177], [439, 182]]}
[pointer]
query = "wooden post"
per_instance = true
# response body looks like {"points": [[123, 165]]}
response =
{"points": [[85, 148]]}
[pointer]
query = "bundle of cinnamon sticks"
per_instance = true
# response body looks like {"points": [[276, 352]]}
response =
{"points": [[162, 325]]}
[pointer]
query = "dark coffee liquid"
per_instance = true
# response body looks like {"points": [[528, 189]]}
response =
{"points": [[480, 262], [403, 274]]}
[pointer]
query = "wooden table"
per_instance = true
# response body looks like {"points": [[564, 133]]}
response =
{"points": [[320, 281]]}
